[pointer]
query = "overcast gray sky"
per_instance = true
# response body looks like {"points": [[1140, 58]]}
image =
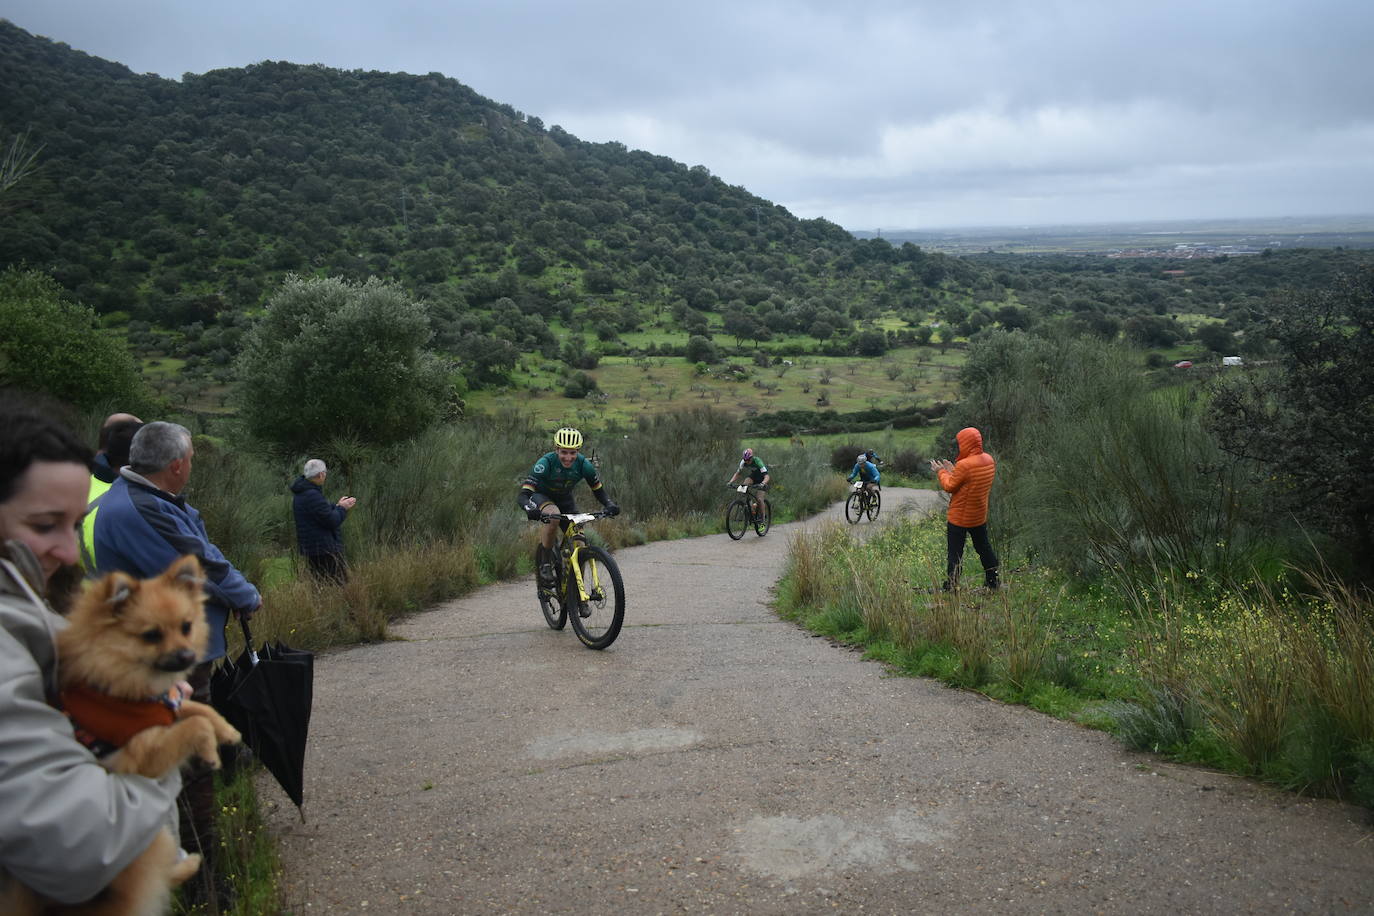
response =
{"points": [[885, 114]]}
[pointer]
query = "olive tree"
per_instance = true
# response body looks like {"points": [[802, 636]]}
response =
{"points": [[332, 358], [1308, 422]]}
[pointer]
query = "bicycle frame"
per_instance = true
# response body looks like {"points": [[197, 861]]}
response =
{"points": [[572, 534], [751, 492]]}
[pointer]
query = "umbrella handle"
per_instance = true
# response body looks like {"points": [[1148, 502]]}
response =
{"points": [[248, 640]]}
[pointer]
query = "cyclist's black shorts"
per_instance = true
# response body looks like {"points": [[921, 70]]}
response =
{"points": [[564, 501]]}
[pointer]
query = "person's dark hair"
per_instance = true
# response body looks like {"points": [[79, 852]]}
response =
{"points": [[117, 442], [30, 432]]}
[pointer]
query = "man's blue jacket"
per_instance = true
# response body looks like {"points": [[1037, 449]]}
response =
{"points": [[140, 530], [866, 470]]}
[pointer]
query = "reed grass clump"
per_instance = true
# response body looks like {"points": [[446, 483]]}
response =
{"points": [[1282, 681], [1270, 682], [873, 591]]}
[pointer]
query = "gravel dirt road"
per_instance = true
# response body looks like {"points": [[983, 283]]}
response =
{"points": [[719, 760]]}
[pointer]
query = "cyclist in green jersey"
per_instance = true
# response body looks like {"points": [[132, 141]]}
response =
{"points": [[548, 491], [751, 466]]}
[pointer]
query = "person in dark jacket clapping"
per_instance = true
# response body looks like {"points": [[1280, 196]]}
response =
{"points": [[318, 523]]}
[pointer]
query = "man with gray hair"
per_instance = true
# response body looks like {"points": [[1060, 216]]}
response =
{"points": [[143, 525], [318, 524]]}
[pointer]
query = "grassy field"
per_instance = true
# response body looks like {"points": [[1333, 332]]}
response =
{"points": [[630, 386]]}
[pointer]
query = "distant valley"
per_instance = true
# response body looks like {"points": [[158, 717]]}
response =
{"points": [[1174, 238]]}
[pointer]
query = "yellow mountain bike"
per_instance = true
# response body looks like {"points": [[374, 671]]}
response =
{"points": [[587, 587]]}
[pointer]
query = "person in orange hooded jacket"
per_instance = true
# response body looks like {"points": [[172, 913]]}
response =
{"points": [[968, 482]]}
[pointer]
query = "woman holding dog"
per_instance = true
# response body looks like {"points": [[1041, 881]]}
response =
{"points": [[69, 826]]}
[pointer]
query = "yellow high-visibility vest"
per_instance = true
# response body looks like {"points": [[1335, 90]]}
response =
{"points": [[98, 489]]}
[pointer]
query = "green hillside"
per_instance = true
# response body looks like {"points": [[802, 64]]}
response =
{"points": [[176, 201], [174, 210]]}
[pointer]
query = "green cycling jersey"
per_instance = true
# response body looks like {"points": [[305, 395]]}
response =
{"points": [[548, 475], [754, 469]]}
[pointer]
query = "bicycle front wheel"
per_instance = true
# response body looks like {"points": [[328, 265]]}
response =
{"points": [[854, 508], [875, 503], [597, 620], [737, 519], [764, 520]]}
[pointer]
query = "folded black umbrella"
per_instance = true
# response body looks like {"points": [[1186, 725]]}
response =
{"points": [[266, 695]]}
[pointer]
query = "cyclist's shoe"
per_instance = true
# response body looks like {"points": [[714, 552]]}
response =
{"points": [[548, 577]]}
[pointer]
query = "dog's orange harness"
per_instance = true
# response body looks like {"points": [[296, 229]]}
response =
{"points": [[105, 724]]}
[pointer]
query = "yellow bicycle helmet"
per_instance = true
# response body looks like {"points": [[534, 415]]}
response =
{"points": [[567, 437]]}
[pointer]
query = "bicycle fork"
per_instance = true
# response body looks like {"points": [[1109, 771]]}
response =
{"points": [[582, 593]]}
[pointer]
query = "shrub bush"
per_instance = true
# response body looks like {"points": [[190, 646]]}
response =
{"points": [[842, 457], [333, 358], [909, 463]]}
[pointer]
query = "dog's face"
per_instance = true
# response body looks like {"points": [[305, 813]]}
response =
{"points": [[135, 638]]}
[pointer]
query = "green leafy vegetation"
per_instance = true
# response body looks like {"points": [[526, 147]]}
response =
{"points": [[1306, 426], [332, 359], [1160, 582], [1256, 681], [55, 346], [305, 261]]}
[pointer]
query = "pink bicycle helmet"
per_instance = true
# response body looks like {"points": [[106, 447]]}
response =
{"points": [[748, 453]]}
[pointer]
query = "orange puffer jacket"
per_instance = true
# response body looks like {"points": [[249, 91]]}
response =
{"points": [[970, 481]]}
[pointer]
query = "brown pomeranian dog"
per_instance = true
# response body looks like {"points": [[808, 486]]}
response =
{"points": [[128, 644]]}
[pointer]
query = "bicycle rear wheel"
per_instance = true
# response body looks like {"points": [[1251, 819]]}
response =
{"points": [[555, 614], [597, 621], [764, 520], [736, 519], [875, 503], [854, 508]]}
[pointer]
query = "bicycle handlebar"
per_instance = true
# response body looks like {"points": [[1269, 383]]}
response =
{"points": [[574, 517]]}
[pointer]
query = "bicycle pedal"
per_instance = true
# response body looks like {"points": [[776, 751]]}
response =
{"points": [[584, 610]]}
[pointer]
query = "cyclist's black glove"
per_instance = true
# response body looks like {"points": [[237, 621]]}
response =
{"points": [[612, 509], [533, 515], [531, 509]]}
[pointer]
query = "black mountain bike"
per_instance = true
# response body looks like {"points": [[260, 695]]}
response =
{"points": [[587, 585], [748, 509], [861, 502]]}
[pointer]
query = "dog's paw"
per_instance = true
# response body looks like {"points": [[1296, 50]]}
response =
{"points": [[229, 735], [184, 869], [207, 748]]}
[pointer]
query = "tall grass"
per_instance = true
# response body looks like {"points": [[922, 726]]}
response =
{"points": [[246, 509], [1266, 682], [1281, 682], [875, 592]]}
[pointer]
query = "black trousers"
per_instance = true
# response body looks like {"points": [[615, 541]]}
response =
{"points": [[328, 566], [955, 536], [196, 805]]}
